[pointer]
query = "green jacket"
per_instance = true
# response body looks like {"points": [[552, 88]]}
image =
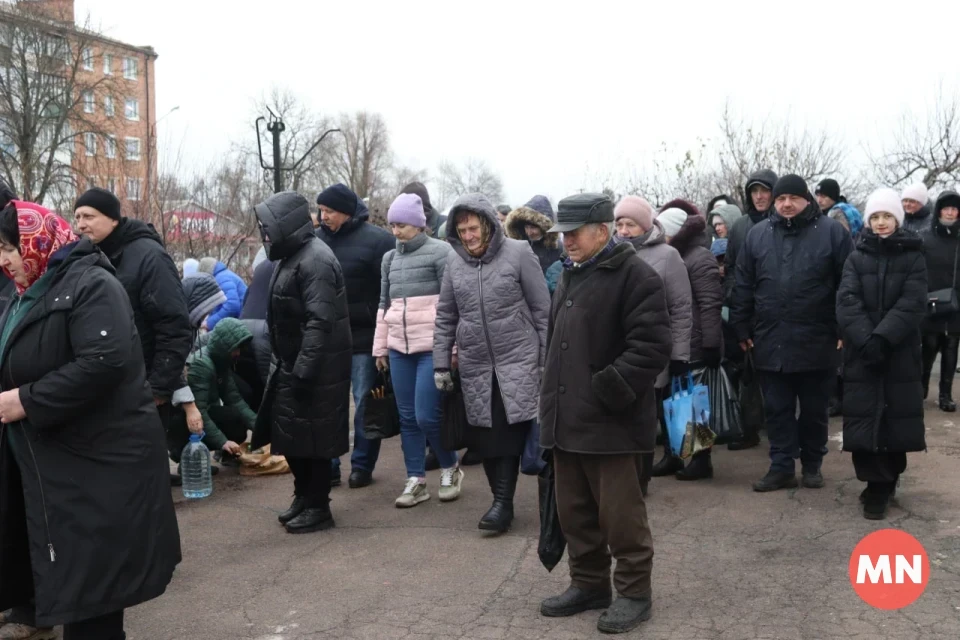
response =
{"points": [[211, 377]]}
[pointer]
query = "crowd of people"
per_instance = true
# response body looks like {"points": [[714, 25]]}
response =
{"points": [[570, 323]]}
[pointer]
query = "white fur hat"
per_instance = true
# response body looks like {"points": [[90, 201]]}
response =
{"points": [[916, 192]]}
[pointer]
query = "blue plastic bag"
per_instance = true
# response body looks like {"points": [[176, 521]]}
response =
{"points": [[701, 400], [532, 462], [677, 413]]}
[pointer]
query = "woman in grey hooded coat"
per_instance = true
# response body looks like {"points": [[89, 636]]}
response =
{"points": [[495, 307]]}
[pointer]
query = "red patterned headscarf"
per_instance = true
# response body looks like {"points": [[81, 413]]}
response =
{"points": [[42, 233]]}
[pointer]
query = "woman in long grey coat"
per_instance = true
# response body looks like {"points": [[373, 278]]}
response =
{"points": [[495, 307]]}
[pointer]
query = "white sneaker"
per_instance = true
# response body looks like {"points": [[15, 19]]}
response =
{"points": [[451, 481], [413, 494]]}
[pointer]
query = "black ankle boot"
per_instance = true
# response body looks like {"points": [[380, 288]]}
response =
{"points": [[311, 519], [503, 484], [669, 464], [946, 403], [296, 508], [700, 467]]}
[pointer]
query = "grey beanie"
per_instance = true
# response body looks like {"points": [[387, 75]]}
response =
{"points": [[207, 265], [203, 296]]}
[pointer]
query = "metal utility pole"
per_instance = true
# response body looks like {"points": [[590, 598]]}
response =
{"points": [[275, 127]]}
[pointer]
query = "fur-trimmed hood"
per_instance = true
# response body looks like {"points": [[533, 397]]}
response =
{"points": [[522, 216], [690, 233], [683, 205]]}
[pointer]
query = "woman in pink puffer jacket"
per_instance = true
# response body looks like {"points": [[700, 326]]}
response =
{"points": [[409, 290]]}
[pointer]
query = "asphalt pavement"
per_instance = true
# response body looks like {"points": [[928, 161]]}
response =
{"points": [[729, 564]]}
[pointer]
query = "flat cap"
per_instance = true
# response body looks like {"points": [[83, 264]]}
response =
{"points": [[581, 209]]}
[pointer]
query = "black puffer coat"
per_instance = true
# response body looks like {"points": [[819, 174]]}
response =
{"points": [[156, 295], [359, 247], [786, 293], [84, 477], [920, 221], [258, 293], [883, 293], [737, 234], [704, 274], [942, 251], [305, 407]]}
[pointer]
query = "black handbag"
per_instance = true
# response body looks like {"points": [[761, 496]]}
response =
{"points": [[552, 542], [381, 418], [943, 302], [453, 429]]}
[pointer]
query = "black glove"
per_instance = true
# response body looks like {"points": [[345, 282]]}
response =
{"points": [[679, 367], [875, 351], [301, 388], [712, 358]]}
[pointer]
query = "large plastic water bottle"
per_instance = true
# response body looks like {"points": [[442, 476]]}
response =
{"points": [[195, 469]]}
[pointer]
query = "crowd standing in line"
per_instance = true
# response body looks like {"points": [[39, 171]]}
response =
{"points": [[567, 324]]}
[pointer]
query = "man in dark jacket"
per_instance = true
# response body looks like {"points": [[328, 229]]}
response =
{"points": [[151, 280], [359, 247], [609, 338], [434, 219], [258, 293], [759, 203], [784, 309], [532, 222], [828, 195], [916, 205], [303, 415]]}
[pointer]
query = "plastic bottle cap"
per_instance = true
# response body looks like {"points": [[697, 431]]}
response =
{"points": [[194, 437]]}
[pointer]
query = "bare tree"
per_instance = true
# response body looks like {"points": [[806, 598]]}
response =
{"points": [[924, 147], [475, 176], [362, 158], [46, 100]]}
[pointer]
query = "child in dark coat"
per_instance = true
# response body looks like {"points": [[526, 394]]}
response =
{"points": [[880, 306]]}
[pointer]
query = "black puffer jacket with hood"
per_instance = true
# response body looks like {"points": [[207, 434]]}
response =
{"points": [[942, 250], [920, 221], [539, 213], [305, 407], [737, 234]]}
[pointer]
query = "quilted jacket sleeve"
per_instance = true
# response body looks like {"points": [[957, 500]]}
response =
{"points": [[537, 296], [202, 378], [317, 281], [679, 304], [910, 309], [708, 296], [380, 333], [448, 316]]}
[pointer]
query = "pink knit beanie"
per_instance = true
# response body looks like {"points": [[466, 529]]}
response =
{"points": [[637, 209]]}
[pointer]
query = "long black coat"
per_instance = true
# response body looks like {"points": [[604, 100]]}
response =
{"points": [[310, 334], [786, 293], [942, 251], [883, 293], [85, 474], [609, 338], [705, 285], [359, 247], [151, 281]]}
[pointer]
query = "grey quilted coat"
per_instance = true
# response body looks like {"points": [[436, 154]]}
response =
{"points": [[496, 309]]}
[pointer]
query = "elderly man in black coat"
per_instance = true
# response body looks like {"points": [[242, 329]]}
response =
{"points": [[609, 339], [306, 404], [359, 247], [784, 310]]}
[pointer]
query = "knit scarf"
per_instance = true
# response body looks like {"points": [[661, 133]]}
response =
{"points": [[42, 233], [569, 264]]}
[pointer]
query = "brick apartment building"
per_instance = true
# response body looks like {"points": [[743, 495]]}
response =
{"points": [[121, 156]]}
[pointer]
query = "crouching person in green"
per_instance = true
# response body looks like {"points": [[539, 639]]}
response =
{"points": [[226, 415]]}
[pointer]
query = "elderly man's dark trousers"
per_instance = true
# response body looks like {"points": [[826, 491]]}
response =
{"points": [[602, 513], [792, 436]]}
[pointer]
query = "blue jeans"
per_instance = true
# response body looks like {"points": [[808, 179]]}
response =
{"points": [[418, 401], [363, 375]]}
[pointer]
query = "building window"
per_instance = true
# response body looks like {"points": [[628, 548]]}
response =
{"points": [[133, 189], [133, 149], [108, 106], [88, 59], [112, 185], [88, 101], [111, 146], [107, 64], [131, 109], [130, 68], [90, 142]]}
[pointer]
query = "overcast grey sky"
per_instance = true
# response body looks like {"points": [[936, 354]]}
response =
{"points": [[546, 95]]}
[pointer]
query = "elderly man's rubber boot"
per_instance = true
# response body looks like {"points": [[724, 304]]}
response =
{"points": [[573, 601], [625, 614]]}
